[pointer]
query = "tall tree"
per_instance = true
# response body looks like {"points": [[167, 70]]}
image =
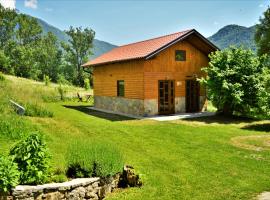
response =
{"points": [[7, 25], [78, 50], [262, 35], [28, 30], [49, 56]]}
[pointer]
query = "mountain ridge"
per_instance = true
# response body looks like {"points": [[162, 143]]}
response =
{"points": [[234, 35]]}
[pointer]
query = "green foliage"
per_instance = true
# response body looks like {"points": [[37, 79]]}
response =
{"points": [[36, 110], [262, 35], [62, 80], [2, 78], [86, 84], [62, 90], [7, 25], [9, 174], [235, 81], [78, 50], [33, 159], [90, 159], [46, 80]]}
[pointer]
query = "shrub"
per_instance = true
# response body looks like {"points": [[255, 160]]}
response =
{"points": [[35, 110], [9, 174], [46, 80], [86, 84], [32, 158], [62, 80], [62, 90], [234, 76], [2, 78], [88, 159]]}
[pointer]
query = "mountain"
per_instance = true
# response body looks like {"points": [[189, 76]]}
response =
{"points": [[99, 47], [234, 35]]}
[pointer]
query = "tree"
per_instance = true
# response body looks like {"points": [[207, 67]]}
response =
{"points": [[78, 50], [262, 35], [28, 30], [235, 81], [49, 56], [8, 23]]}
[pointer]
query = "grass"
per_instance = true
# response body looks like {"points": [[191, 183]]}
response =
{"points": [[184, 159]]}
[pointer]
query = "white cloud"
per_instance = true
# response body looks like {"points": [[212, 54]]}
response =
{"points": [[216, 23], [31, 4], [261, 6], [8, 3]]}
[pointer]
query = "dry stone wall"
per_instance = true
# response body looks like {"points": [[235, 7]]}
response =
{"points": [[76, 189]]}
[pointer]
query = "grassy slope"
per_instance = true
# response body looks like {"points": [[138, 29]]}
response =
{"points": [[177, 160]]}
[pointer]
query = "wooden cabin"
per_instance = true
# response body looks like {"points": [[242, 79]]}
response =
{"points": [[153, 77]]}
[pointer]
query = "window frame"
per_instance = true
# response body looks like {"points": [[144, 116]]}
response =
{"points": [[118, 85], [184, 55]]}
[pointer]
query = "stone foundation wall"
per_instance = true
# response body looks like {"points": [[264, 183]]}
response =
{"points": [[120, 105], [77, 189], [180, 104], [136, 107], [150, 107]]}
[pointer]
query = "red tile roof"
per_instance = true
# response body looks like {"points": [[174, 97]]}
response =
{"points": [[137, 50]]}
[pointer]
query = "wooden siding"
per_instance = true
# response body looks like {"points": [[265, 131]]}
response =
{"points": [[164, 67], [141, 76], [106, 76]]}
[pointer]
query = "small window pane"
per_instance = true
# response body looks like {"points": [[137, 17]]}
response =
{"points": [[121, 88], [180, 55]]}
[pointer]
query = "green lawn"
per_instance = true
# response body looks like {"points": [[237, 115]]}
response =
{"points": [[184, 159]]}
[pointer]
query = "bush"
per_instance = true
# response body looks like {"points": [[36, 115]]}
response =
{"points": [[62, 90], [32, 158], [46, 80], [235, 81], [35, 110], [62, 80], [86, 84], [2, 78], [9, 174], [87, 159]]}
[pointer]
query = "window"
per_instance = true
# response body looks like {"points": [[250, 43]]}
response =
{"points": [[180, 55], [121, 88]]}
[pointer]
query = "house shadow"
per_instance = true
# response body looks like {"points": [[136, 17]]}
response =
{"points": [[99, 114], [264, 127], [220, 119]]}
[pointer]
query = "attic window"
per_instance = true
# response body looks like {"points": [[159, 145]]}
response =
{"points": [[180, 55]]}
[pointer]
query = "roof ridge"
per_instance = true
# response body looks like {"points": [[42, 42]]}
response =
{"points": [[188, 30]]}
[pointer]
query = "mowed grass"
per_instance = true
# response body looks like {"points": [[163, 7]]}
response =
{"points": [[184, 159]]}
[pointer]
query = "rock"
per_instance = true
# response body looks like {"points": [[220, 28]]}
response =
{"points": [[91, 195], [129, 178]]}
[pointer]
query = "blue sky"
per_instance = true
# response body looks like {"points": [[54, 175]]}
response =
{"points": [[124, 21]]}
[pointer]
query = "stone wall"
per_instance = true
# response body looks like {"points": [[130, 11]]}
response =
{"points": [[150, 107], [76, 189], [120, 105], [180, 104], [136, 107]]}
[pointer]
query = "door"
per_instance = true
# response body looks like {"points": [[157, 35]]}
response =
{"points": [[166, 97], [192, 96]]}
